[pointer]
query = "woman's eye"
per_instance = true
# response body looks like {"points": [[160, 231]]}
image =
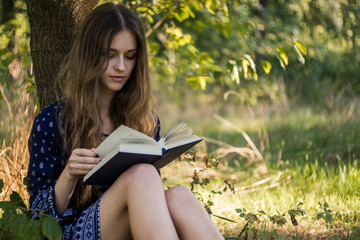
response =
{"points": [[104, 54], [131, 56]]}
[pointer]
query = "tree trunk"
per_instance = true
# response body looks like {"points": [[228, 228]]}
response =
{"points": [[53, 27]]}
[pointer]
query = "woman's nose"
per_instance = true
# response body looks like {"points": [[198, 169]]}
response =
{"points": [[120, 64]]}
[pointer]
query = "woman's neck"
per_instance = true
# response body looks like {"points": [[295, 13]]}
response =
{"points": [[108, 125]]}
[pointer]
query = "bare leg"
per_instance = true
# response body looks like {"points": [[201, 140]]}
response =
{"points": [[135, 206], [189, 216]]}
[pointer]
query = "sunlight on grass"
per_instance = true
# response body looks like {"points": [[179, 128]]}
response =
{"points": [[278, 195], [309, 161], [14, 154]]}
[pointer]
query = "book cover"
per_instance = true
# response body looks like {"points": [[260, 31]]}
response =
{"points": [[126, 147]]}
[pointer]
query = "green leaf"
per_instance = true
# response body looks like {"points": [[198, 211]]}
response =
{"points": [[25, 181], [26, 61], [8, 60], [189, 11], [227, 29], [328, 218], [29, 229], [151, 12], [301, 47], [17, 200], [15, 224], [266, 65], [320, 215], [283, 55], [245, 64], [202, 82], [142, 9], [252, 66], [51, 228], [196, 81], [300, 56], [37, 103], [326, 205], [4, 51], [233, 69], [225, 9], [251, 61], [262, 212], [149, 18], [209, 6], [281, 61], [1, 184], [238, 210], [154, 47], [192, 49]]}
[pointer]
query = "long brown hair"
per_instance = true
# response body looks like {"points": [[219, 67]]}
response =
{"points": [[131, 106]]}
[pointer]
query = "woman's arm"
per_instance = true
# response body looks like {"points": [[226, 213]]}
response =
{"points": [[81, 161]]}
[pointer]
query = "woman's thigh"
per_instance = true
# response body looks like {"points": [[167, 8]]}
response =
{"points": [[114, 217], [114, 206]]}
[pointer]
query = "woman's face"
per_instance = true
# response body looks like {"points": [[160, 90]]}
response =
{"points": [[122, 59]]}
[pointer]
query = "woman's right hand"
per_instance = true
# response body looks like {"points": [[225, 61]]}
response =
{"points": [[81, 162]]}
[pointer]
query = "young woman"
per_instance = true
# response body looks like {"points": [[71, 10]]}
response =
{"points": [[107, 84]]}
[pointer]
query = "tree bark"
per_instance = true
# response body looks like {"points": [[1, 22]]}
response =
{"points": [[53, 27]]}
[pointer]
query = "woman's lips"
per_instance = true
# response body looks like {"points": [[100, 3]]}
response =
{"points": [[117, 78]]}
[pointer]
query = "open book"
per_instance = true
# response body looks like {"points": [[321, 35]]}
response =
{"points": [[125, 147]]}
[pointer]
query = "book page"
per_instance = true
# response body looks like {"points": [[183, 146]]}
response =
{"points": [[179, 135], [121, 133]]}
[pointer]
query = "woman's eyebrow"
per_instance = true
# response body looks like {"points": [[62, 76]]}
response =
{"points": [[128, 51]]}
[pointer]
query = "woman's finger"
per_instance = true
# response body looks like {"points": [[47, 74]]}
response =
{"points": [[85, 152], [80, 169]]}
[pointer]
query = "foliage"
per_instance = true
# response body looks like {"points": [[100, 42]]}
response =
{"points": [[17, 221], [242, 46], [325, 213], [15, 49], [15, 63], [207, 45], [245, 46]]}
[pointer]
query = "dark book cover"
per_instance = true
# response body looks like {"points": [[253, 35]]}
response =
{"points": [[111, 170]]}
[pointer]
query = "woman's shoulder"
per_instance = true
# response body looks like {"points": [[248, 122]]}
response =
{"points": [[48, 115], [45, 125], [51, 110], [53, 106]]}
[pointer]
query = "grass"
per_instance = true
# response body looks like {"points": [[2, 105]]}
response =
{"points": [[251, 170], [278, 192], [309, 156], [14, 155]]}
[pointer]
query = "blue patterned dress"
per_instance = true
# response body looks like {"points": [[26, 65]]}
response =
{"points": [[47, 161]]}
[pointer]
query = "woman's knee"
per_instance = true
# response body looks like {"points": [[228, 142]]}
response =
{"points": [[143, 171], [139, 174], [178, 196]]}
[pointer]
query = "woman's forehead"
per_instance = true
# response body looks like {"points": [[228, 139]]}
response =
{"points": [[123, 40]]}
